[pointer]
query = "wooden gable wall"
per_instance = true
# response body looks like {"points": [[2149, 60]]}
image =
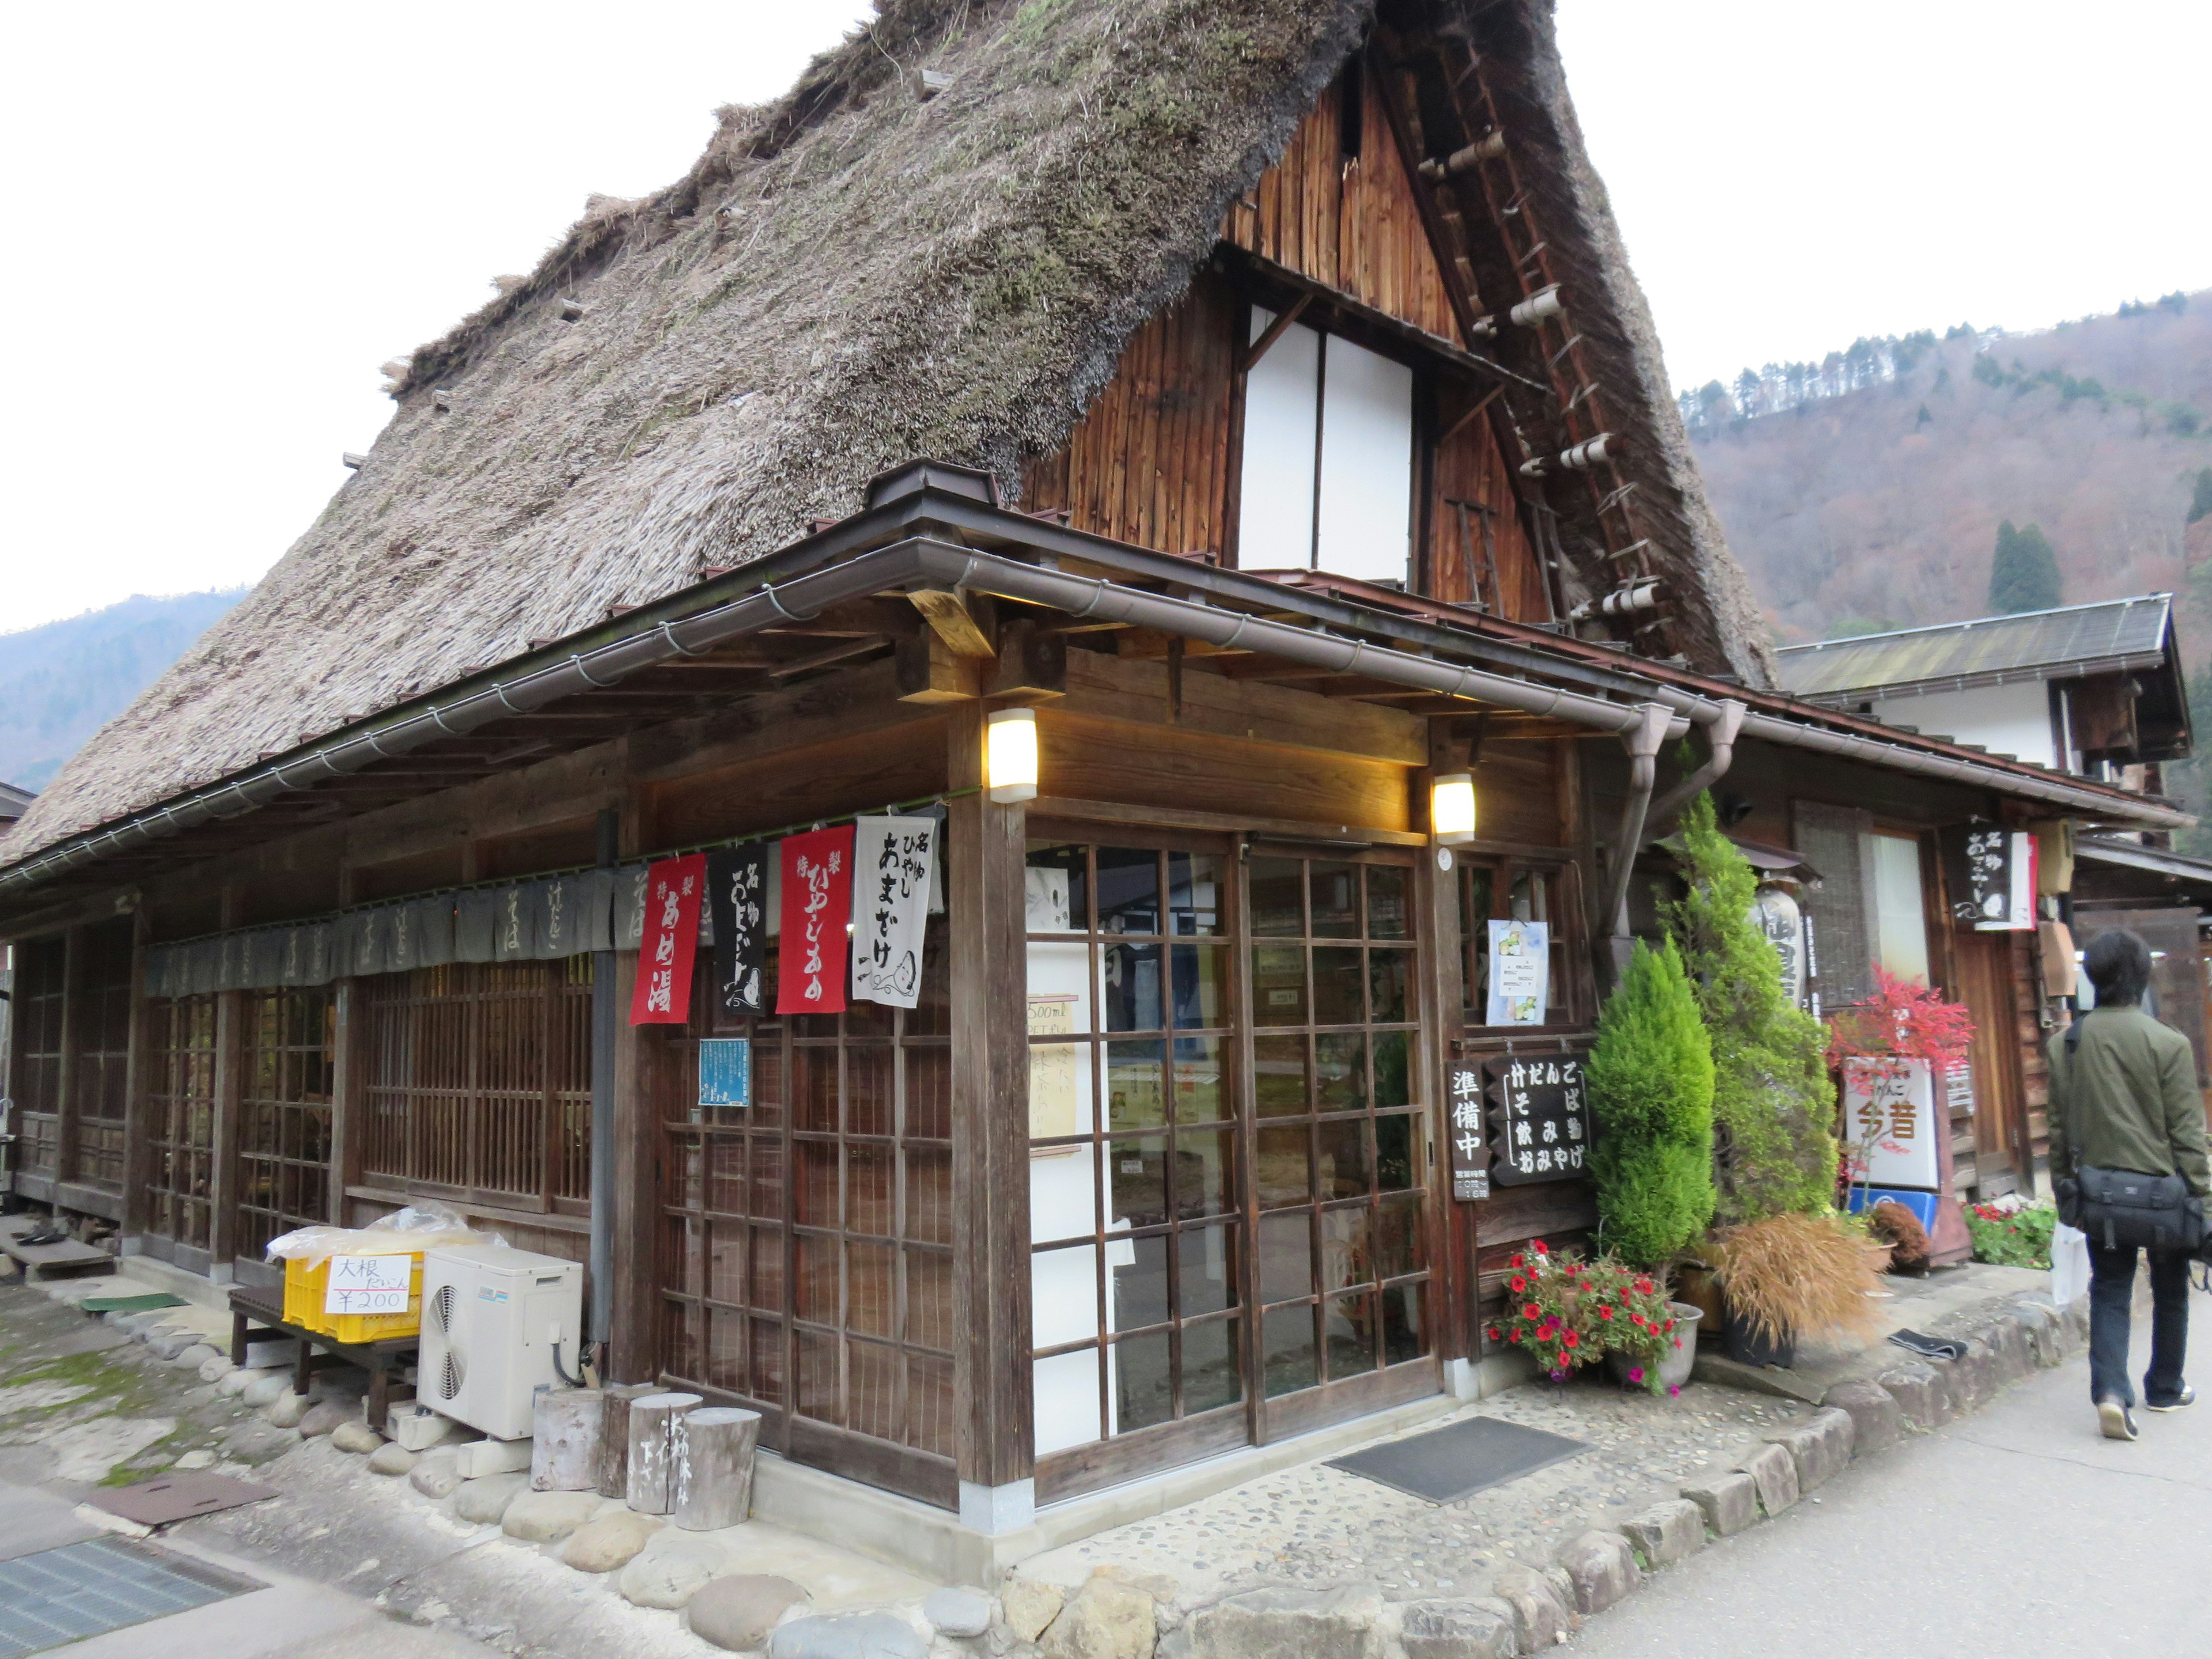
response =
{"points": [[1153, 461]]}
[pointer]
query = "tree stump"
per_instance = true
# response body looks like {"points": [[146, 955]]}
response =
{"points": [[614, 1437], [711, 1469], [566, 1431], [651, 1440]]}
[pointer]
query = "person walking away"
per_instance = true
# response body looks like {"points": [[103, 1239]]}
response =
{"points": [[2124, 1096]]}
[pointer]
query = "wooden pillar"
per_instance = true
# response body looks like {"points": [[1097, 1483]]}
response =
{"points": [[139, 1125], [985, 856], [348, 1051], [634, 1312], [68, 1071], [1452, 1241], [229, 1077]]}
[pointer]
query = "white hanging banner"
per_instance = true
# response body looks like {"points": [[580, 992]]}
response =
{"points": [[892, 858]]}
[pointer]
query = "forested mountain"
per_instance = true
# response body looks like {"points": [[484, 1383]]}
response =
{"points": [[1868, 490], [62, 682]]}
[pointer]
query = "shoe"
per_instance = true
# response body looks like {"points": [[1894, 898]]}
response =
{"points": [[2117, 1422], [2186, 1397]]}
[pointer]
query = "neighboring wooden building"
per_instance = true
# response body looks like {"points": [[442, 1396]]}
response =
{"points": [[1306, 442]]}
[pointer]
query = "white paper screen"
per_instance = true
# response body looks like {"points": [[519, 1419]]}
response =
{"points": [[1274, 522], [1366, 463]]}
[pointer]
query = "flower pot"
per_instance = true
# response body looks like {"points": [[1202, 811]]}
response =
{"points": [[1694, 1286], [1749, 1348], [1675, 1369]]}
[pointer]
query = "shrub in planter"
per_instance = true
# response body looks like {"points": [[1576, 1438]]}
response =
{"points": [[1650, 1075], [1569, 1313], [1890, 1223], [1784, 1277], [1773, 1101]]}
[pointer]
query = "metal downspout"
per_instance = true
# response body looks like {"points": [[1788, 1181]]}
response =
{"points": [[1643, 772], [1720, 754], [604, 1030]]}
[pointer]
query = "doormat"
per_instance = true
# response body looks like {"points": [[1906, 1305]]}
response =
{"points": [[63, 1596], [1447, 1464], [152, 1303], [180, 1497]]}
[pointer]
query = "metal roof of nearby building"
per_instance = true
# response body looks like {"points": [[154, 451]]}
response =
{"points": [[2134, 855], [2110, 637], [13, 800]]}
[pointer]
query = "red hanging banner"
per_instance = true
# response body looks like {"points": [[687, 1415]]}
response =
{"points": [[669, 942], [818, 902]]}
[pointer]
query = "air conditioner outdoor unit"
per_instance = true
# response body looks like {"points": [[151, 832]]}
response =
{"points": [[498, 1325]]}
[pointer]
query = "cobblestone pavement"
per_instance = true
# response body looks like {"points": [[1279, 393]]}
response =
{"points": [[1313, 1525]]}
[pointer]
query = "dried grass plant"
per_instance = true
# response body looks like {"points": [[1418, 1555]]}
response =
{"points": [[1792, 1275], [1890, 1223]]}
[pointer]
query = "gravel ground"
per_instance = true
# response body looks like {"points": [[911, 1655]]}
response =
{"points": [[1314, 1525]]}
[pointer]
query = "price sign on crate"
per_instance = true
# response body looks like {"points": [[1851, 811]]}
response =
{"points": [[369, 1285]]}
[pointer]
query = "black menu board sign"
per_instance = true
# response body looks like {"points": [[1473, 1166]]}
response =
{"points": [[1537, 1111]]}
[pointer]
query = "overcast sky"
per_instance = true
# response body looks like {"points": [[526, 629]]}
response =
{"points": [[225, 217]]}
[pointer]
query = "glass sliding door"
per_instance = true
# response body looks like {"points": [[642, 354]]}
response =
{"points": [[1340, 1160], [1137, 1266]]}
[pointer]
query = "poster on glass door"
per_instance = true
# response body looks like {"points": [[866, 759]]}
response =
{"points": [[1520, 972]]}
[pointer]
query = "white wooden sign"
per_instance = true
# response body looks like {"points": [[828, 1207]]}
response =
{"points": [[1890, 1117]]}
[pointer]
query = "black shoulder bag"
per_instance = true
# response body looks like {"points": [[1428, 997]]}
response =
{"points": [[2121, 1208]]}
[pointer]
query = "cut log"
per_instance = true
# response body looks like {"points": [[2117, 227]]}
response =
{"points": [[711, 1471], [566, 1429], [614, 1437], [650, 1438]]}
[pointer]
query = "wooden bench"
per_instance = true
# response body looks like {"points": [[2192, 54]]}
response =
{"points": [[59, 1260], [256, 1312]]}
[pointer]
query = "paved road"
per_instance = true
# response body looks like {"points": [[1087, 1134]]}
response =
{"points": [[2018, 1530]]}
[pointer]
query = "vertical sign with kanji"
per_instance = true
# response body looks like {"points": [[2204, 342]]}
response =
{"points": [[817, 905], [668, 941], [892, 858], [737, 898], [1470, 1148], [1992, 872], [1539, 1105]]}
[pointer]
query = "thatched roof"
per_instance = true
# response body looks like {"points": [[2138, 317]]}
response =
{"points": [[849, 278]]}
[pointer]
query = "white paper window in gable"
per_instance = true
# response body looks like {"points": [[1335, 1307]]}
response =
{"points": [[1321, 413]]}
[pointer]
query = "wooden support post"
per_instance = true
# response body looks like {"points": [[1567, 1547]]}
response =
{"points": [[68, 1070], [635, 1311], [1452, 1242], [348, 1053], [711, 1484], [651, 1437], [984, 860], [614, 1436], [229, 1069], [137, 1091], [566, 1447]]}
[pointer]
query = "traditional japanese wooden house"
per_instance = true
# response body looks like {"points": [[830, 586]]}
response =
{"points": [[1255, 395]]}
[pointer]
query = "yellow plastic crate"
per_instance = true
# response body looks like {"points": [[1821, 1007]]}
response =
{"points": [[305, 1288]]}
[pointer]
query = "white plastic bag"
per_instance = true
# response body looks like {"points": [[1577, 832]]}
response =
{"points": [[417, 1228], [2070, 1264]]}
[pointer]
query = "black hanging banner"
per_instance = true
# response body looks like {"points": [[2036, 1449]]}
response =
{"points": [[737, 896]]}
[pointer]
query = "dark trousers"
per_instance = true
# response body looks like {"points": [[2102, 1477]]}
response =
{"points": [[2111, 1302]]}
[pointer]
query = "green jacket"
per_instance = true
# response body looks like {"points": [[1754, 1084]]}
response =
{"points": [[2127, 1100]]}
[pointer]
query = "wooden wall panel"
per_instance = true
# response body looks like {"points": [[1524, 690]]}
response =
{"points": [[1516, 795], [858, 774], [1149, 462], [1480, 552], [1346, 220], [1086, 758]]}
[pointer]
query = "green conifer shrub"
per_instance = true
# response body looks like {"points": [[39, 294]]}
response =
{"points": [[1773, 1103], [2024, 571], [1651, 1089]]}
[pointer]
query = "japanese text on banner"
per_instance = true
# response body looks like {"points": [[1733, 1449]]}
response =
{"points": [[892, 857], [737, 897], [817, 904], [669, 941]]}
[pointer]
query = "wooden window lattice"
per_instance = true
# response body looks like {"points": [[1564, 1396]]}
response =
{"points": [[477, 1082], [284, 1115], [181, 1098]]}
